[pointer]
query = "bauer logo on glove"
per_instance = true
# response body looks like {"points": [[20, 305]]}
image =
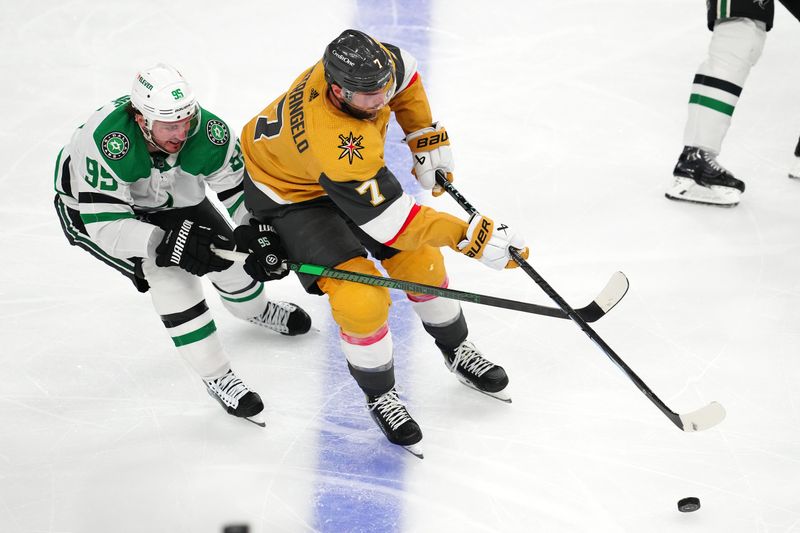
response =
{"points": [[484, 231], [489, 243], [429, 141], [430, 148]]}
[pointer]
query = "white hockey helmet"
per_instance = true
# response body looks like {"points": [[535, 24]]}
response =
{"points": [[162, 93]]}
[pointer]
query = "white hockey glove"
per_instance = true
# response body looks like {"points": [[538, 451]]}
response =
{"points": [[488, 243], [430, 148]]}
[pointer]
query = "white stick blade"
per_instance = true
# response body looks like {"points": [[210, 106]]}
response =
{"points": [[230, 255], [704, 418], [613, 292]]}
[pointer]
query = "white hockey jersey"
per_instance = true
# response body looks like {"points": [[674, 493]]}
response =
{"points": [[107, 174]]}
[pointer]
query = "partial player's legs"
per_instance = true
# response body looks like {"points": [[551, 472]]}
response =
{"points": [[316, 233], [362, 312], [794, 172], [245, 299], [736, 45], [178, 298], [444, 321]]}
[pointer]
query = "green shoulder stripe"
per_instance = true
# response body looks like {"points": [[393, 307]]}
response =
{"points": [[205, 152], [122, 145]]}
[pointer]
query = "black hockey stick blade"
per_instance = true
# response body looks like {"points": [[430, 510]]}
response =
{"points": [[609, 297]]}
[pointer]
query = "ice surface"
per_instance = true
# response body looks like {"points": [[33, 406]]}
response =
{"points": [[566, 119]]}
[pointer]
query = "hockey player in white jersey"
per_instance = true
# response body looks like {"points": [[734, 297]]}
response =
{"points": [[131, 190], [739, 31]]}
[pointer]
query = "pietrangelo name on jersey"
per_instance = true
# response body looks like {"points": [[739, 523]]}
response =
{"points": [[297, 116]]}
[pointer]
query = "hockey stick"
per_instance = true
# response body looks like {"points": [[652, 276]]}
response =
{"points": [[613, 292], [699, 420]]}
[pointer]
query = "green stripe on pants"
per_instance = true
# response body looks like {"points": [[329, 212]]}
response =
{"points": [[245, 298], [196, 335], [711, 103]]}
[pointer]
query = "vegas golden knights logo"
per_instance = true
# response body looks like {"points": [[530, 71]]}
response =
{"points": [[351, 147]]}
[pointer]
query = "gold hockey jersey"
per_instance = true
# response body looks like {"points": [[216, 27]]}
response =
{"points": [[302, 147]]}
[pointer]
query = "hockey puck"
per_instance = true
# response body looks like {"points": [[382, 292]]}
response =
{"points": [[689, 505], [239, 528]]}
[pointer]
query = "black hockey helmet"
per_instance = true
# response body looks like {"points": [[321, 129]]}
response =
{"points": [[357, 63]]}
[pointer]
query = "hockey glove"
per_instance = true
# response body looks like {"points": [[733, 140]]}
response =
{"points": [[489, 242], [430, 148], [188, 246], [266, 260]]}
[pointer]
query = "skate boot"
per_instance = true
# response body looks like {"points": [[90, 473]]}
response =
{"points": [[283, 317], [700, 179], [474, 371], [234, 396], [393, 419], [794, 173]]}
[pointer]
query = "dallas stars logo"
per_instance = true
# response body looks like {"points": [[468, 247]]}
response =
{"points": [[350, 147], [115, 145], [217, 132]]}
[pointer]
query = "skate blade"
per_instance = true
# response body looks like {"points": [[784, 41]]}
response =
{"points": [[501, 395], [257, 420], [795, 172], [686, 190], [415, 450]]}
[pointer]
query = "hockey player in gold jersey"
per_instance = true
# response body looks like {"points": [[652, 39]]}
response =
{"points": [[315, 170]]}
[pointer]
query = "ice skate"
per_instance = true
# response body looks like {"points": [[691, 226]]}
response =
{"points": [[700, 179], [794, 173], [393, 419], [284, 317], [474, 371], [236, 398]]}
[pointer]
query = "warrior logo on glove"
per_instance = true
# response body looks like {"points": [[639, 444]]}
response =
{"points": [[271, 259], [180, 242], [188, 246]]}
